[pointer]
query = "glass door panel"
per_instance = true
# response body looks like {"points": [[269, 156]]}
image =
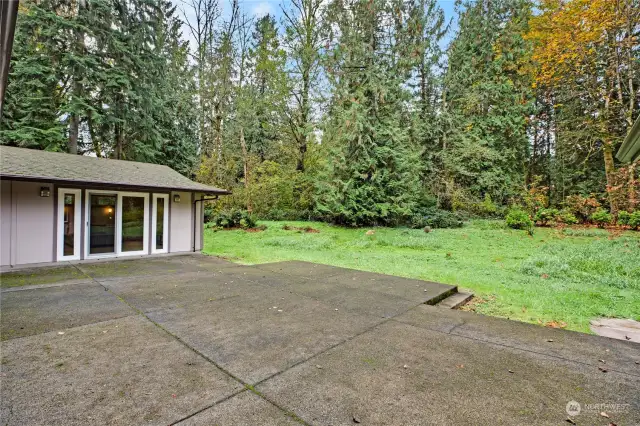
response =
{"points": [[102, 223], [69, 224], [133, 227], [69, 220], [159, 223]]}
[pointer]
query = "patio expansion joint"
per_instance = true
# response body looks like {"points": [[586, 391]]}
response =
{"points": [[451, 333], [246, 386]]}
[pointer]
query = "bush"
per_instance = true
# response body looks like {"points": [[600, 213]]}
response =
{"points": [[601, 217], [233, 219], [546, 216], [582, 207], [624, 217], [519, 219], [436, 218], [630, 219], [566, 217]]}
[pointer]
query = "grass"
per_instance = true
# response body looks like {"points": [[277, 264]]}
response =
{"points": [[570, 276]]}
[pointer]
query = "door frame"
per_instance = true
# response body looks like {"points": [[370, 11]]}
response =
{"points": [[118, 224], [77, 225], [145, 225], [165, 222]]}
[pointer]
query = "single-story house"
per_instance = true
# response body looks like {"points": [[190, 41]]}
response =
{"points": [[60, 207], [630, 149]]}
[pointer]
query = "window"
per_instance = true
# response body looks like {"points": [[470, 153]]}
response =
{"points": [[160, 223]]}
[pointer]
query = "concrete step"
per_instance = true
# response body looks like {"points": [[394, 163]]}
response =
{"points": [[455, 300]]}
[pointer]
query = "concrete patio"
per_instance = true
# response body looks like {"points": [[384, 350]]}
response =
{"points": [[196, 340]]}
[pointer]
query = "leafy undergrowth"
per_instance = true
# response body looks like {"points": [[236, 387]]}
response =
{"points": [[558, 276]]}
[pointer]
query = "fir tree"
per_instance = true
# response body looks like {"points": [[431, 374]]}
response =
{"points": [[373, 171]]}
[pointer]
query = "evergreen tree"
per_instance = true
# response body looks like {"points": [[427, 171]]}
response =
{"points": [[488, 99], [372, 172]]}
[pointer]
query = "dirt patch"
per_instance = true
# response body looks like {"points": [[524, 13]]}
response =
{"points": [[476, 301], [258, 229], [305, 229]]}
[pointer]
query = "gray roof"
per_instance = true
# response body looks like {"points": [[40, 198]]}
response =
{"points": [[630, 149], [31, 164]]}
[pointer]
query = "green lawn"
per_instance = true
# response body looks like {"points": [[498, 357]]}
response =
{"points": [[566, 276]]}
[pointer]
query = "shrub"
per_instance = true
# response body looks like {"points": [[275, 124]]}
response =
{"points": [[634, 220], [566, 217], [546, 216], [519, 219], [436, 218], [630, 219], [624, 217], [601, 217], [535, 197], [582, 207], [233, 219]]}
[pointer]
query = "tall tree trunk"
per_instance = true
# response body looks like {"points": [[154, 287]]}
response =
{"points": [[633, 195], [73, 134], [119, 142], [245, 158], [609, 170], [304, 119]]}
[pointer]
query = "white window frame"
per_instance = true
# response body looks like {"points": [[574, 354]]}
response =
{"points": [[165, 223], [77, 225], [118, 224]]}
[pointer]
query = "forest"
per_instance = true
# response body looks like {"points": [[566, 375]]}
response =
{"points": [[355, 112]]}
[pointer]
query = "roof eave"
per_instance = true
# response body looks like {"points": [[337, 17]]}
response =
{"points": [[630, 149], [208, 191]]}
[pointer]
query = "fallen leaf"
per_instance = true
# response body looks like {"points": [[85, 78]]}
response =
{"points": [[319, 367], [511, 371], [570, 420], [549, 340], [405, 366], [356, 419], [460, 366], [555, 324], [60, 332], [602, 361], [603, 414], [604, 370], [627, 337]]}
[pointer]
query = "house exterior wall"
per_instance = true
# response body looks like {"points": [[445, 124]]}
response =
{"points": [[28, 222], [5, 223], [180, 220], [199, 240]]}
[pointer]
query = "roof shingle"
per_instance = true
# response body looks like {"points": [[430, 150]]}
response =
{"points": [[31, 164]]}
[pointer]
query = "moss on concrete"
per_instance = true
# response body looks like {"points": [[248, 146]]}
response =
{"points": [[40, 276]]}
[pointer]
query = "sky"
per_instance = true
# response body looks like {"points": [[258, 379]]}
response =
{"points": [[274, 7]]}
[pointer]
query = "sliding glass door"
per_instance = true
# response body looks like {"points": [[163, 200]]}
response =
{"points": [[102, 223], [159, 223], [69, 222], [118, 223], [134, 224]]}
